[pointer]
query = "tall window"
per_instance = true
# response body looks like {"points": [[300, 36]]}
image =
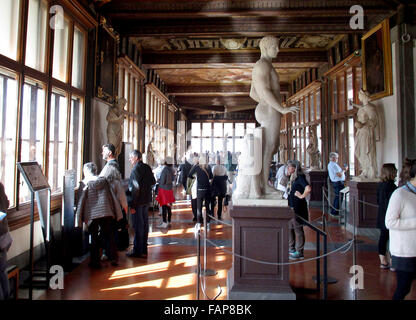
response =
{"points": [[9, 27], [46, 124], [36, 36], [8, 128]]}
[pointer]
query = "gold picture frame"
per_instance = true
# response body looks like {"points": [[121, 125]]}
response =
{"points": [[376, 61]]}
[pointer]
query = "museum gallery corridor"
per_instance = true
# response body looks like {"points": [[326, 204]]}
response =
{"points": [[169, 270]]}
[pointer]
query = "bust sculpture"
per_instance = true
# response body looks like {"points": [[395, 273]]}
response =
{"points": [[265, 90], [282, 156], [367, 125], [313, 150], [115, 119], [150, 155]]}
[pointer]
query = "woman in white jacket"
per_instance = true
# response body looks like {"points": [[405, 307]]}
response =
{"points": [[401, 221]]}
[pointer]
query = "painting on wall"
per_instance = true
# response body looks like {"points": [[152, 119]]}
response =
{"points": [[376, 61], [106, 70]]}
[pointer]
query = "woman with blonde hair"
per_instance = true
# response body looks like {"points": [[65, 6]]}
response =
{"points": [[384, 191]]}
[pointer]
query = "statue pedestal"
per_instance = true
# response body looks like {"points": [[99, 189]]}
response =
{"points": [[317, 180], [365, 215], [260, 231]]}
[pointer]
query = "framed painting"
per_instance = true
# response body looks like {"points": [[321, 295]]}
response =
{"points": [[106, 68], [376, 61]]}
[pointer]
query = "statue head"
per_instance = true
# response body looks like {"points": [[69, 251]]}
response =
{"points": [[121, 103], [269, 46], [364, 95]]}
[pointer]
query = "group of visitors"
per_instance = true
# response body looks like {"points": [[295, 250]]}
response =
{"points": [[207, 186], [103, 204]]}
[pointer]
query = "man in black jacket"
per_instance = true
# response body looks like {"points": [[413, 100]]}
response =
{"points": [[139, 196], [184, 169]]}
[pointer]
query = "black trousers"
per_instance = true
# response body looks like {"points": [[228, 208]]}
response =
{"points": [[219, 209], [166, 211], [382, 242], [203, 197], [404, 284], [102, 232], [194, 208]]}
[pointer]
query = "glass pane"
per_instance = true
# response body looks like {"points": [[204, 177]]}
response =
{"points": [[36, 34], [230, 146], [307, 164], [57, 140], [196, 129], [206, 129], [300, 113], [206, 145], [125, 129], [341, 93], [319, 135], [60, 53], [218, 144], [196, 145], [335, 97], [218, 131], [32, 129], [239, 129], [9, 27], [75, 137], [78, 59], [306, 109], [239, 145], [318, 105], [350, 91], [8, 129], [312, 107], [294, 117], [250, 127], [228, 130]]}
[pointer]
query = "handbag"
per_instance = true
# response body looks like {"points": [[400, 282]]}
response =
{"points": [[5, 241]]}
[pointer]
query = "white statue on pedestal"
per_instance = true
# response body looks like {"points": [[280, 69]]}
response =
{"points": [[265, 89], [367, 125], [313, 149], [115, 119]]}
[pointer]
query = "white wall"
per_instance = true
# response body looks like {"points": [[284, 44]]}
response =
{"points": [[21, 239]]}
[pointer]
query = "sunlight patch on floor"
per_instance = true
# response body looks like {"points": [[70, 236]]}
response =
{"points": [[131, 272], [181, 281], [153, 283]]}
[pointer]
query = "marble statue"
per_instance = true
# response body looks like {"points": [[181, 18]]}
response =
{"points": [[150, 155], [247, 181], [313, 150], [115, 120], [265, 89], [282, 154], [367, 125]]}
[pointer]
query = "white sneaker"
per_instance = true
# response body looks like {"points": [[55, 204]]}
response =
{"points": [[163, 225]]}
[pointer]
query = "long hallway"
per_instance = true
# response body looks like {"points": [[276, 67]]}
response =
{"points": [[169, 271]]}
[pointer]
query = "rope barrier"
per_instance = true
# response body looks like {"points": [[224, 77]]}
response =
{"points": [[349, 243]]}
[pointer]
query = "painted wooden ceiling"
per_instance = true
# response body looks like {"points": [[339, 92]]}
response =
{"points": [[205, 50]]}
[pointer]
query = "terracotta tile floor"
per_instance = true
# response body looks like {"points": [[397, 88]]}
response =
{"points": [[169, 272]]}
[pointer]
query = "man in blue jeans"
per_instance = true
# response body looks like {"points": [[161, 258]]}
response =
{"points": [[337, 177], [139, 196]]}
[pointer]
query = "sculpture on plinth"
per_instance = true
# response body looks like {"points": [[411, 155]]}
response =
{"points": [[150, 155], [265, 90], [313, 150], [115, 120], [367, 124]]}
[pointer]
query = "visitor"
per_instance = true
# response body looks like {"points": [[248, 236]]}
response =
{"points": [[282, 178], [5, 243], [191, 188], [98, 208], [219, 186], [165, 196], [298, 189], [139, 196], [384, 191], [401, 222], [337, 177]]}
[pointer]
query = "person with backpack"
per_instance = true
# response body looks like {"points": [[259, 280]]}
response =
{"points": [[5, 243]]}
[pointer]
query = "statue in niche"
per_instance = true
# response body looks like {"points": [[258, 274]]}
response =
{"points": [[313, 150], [368, 132], [150, 155], [115, 120], [282, 153], [265, 89]]}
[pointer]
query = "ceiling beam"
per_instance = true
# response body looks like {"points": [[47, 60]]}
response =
{"points": [[176, 58], [207, 101], [209, 90]]}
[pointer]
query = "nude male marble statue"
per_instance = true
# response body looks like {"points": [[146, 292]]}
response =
{"points": [[265, 89]]}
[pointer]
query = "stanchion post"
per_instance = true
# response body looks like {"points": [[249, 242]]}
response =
{"points": [[318, 264], [353, 249], [325, 267], [32, 221], [198, 255]]}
